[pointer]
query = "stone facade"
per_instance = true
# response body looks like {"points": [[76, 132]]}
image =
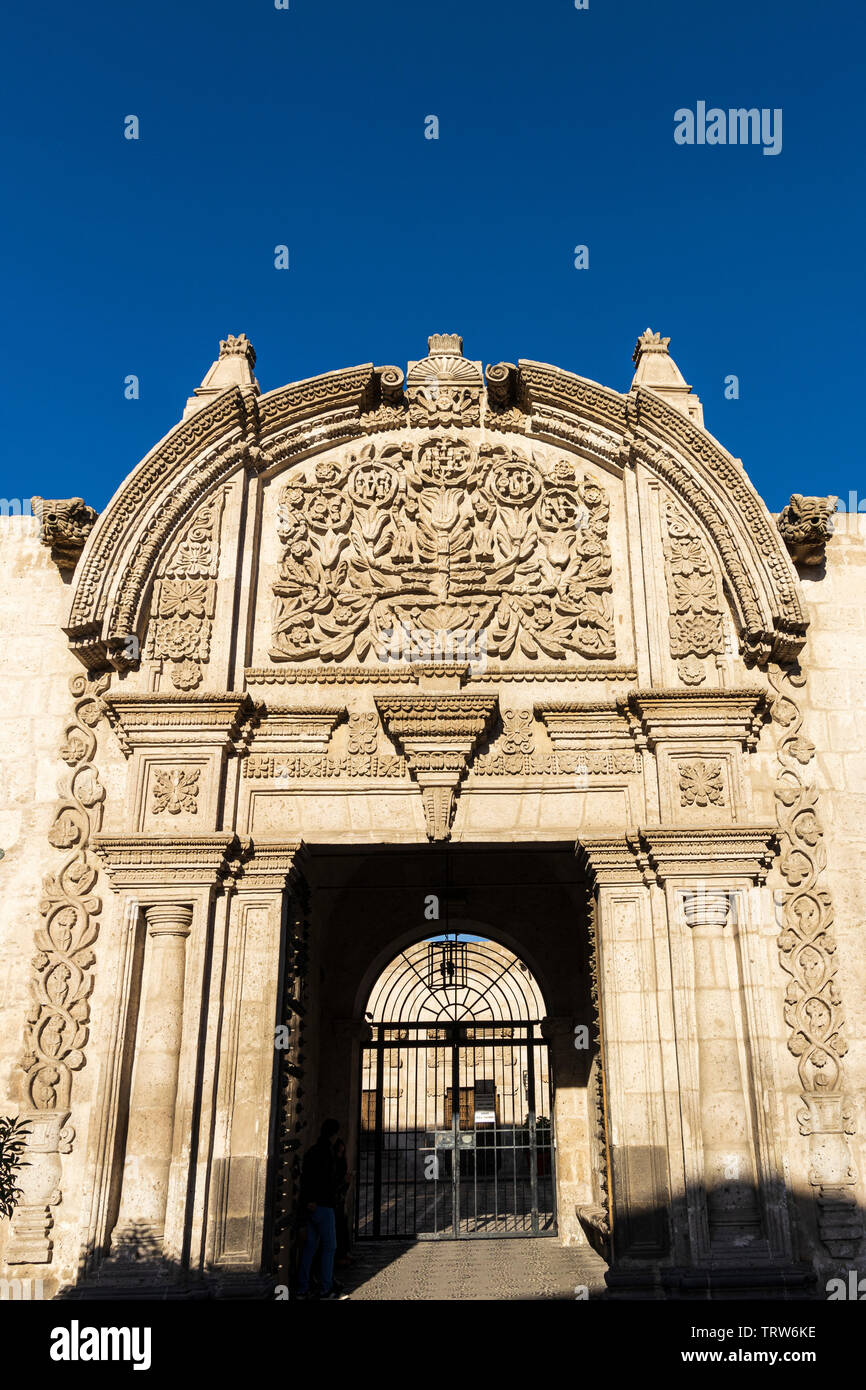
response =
{"points": [[504, 635]]}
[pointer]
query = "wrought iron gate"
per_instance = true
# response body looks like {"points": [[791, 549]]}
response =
{"points": [[456, 1100]]}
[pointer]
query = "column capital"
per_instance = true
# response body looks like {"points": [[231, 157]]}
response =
{"points": [[273, 866], [657, 854], [168, 919], [707, 908]]}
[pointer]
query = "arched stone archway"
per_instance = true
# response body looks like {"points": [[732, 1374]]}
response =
{"points": [[337, 627]]}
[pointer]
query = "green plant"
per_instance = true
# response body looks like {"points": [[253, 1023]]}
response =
{"points": [[13, 1140]]}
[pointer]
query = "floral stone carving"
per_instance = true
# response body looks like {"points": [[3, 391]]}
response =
{"points": [[813, 1001], [175, 790], [473, 546], [701, 784], [184, 598], [695, 621]]}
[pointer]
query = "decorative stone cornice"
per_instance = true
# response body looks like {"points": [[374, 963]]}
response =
{"points": [[614, 860], [151, 862], [64, 526], [584, 727], [806, 525], [659, 853], [418, 673], [274, 865], [438, 733], [297, 730], [152, 719], [718, 854], [659, 715]]}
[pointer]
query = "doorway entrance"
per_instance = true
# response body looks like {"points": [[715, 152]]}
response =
{"points": [[456, 1113]]}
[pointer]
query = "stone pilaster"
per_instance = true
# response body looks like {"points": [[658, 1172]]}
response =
{"points": [[140, 1226], [729, 1176]]}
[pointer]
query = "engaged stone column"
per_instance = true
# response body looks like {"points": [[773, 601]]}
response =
{"points": [[141, 1219], [729, 1171]]}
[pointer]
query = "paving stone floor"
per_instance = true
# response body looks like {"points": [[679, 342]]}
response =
{"points": [[461, 1270]]}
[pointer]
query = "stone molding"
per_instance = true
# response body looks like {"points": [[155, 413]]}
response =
{"points": [[158, 864], [658, 854], [274, 865], [661, 715], [153, 719], [414, 673]]}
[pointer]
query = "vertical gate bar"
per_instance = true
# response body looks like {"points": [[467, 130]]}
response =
{"points": [[455, 1130], [533, 1133], [377, 1152]]}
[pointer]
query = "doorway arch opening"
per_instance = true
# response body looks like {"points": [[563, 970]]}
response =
{"points": [[456, 1112]]}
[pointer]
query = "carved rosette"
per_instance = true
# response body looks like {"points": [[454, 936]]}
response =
{"points": [[695, 622], [442, 549], [184, 596], [813, 1003], [57, 1020], [439, 734]]}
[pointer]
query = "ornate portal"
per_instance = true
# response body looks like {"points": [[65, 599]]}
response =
{"points": [[357, 671]]}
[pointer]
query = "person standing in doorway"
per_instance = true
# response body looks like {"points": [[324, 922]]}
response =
{"points": [[318, 1199]]}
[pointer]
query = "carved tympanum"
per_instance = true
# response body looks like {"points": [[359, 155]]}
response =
{"points": [[447, 544]]}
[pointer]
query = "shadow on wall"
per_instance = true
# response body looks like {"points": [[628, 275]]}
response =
{"points": [[736, 1260]]}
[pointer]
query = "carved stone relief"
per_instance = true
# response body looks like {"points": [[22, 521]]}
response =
{"points": [[695, 621], [701, 783], [57, 1020], [184, 597], [175, 790], [813, 1003], [425, 550]]}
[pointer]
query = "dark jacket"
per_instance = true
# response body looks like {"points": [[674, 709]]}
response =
{"points": [[319, 1175]]}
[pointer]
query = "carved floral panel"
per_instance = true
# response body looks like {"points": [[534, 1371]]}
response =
{"points": [[474, 543]]}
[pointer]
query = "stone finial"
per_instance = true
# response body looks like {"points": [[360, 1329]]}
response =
{"points": [[656, 370], [649, 342], [64, 525], [445, 345], [233, 368], [239, 346], [806, 525]]}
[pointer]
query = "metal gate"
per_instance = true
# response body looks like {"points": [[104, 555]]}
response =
{"points": [[456, 1099]]}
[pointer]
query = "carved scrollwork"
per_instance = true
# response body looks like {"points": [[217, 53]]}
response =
{"points": [[695, 621], [56, 1029], [469, 545], [807, 949]]}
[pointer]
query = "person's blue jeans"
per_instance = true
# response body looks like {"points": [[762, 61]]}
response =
{"points": [[321, 1229]]}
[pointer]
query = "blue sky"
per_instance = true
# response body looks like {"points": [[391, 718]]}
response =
{"points": [[305, 127]]}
